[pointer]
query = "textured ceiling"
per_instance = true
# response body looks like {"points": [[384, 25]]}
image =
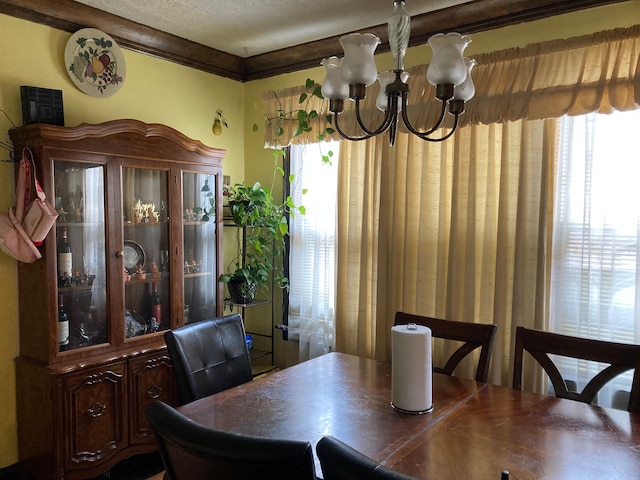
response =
{"points": [[251, 27]]}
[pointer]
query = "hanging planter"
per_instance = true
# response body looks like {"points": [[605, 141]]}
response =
{"points": [[241, 211], [241, 291]]}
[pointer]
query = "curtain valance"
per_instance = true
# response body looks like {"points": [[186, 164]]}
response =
{"points": [[593, 73]]}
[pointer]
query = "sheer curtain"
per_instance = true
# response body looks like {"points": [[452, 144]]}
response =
{"points": [[312, 250], [596, 240]]}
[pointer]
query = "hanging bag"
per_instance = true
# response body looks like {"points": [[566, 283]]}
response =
{"points": [[41, 215], [14, 239]]}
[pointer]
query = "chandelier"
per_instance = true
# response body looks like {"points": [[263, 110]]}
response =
{"points": [[349, 77]]}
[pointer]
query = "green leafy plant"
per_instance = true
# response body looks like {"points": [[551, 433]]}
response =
{"points": [[304, 116], [254, 208], [265, 219]]}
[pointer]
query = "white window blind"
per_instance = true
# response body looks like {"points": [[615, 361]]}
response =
{"points": [[596, 238]]}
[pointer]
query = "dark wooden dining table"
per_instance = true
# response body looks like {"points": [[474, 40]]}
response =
{"points": [[475, 430]]}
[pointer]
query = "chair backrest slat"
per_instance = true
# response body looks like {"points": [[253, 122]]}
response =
{"points": [[621, 357], [474, 335]]}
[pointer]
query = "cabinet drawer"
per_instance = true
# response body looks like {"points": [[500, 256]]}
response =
{"points": [[151, 378], [94, 414]]}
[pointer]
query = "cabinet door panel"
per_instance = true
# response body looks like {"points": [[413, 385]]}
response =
{"points": [[95, 414], [200, 246], [146, 251], [81, 268], [151, 379]]}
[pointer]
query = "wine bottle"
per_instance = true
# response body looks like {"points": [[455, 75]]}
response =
{"points": [[65, 257], [63, 326], [156, 306]]}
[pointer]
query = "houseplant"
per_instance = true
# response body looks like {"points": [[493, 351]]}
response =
{"points": [[265, 219], [254, 209]]}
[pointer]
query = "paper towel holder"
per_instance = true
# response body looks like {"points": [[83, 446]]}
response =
{"points": [[412, 326]]}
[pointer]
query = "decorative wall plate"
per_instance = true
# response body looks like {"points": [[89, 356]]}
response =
{"points": [[94, 62]]}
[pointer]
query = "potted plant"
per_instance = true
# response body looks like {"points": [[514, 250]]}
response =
{"points": [[254, 209]]}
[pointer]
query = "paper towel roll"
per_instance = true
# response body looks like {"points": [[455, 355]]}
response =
{"points": [[411, 375]]}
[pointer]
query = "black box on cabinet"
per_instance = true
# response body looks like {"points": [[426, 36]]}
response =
{"points": [[41, 105]]}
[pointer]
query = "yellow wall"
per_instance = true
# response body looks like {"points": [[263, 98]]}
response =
{"points": [[158, 91]]}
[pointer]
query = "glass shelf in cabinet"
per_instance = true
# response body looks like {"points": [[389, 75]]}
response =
{"points": [[148, 278], [195, 222], [199, 274], [129, 223]]}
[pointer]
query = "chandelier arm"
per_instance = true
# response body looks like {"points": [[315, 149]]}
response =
{"points": [[423, 135], [386, 123], [344, 135], [453, 129]]}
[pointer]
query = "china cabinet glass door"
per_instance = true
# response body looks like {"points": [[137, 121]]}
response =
{"points": [[200, 259], [80, 230], [146, 274]]}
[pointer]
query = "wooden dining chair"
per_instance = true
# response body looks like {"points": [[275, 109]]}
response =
{"points": [[339, 461], [191, 451], [474, 335], [209, 356], [620, 357]]}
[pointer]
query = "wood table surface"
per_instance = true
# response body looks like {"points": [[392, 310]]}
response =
{"points": [[532, 436], [474, 431]]}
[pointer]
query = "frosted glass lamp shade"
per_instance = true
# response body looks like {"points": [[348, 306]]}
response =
{"points": [[466, 90], [358, 65], [447, 64], [334, 86]]}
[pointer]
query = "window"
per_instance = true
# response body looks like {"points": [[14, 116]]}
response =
{"points": [[312, 249], [596, 239]]}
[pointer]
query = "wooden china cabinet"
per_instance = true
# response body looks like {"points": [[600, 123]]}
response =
{"points": [[140, 207]]}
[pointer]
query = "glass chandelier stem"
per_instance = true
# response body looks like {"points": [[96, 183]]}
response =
{"points": [[399, 31]]}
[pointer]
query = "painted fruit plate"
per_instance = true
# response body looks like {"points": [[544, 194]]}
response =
{"points": [[94, 62]]}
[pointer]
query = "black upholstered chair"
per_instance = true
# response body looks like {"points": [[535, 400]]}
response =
{"points": [[191, 451], [209, 356], [339, 461], [474, 335], [620, 358]]}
